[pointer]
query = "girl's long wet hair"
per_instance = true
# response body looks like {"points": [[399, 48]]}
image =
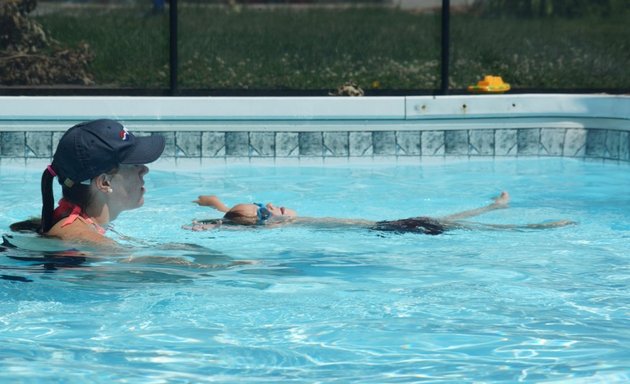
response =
{"points": [[239, 218]]}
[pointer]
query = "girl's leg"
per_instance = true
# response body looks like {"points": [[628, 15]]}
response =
{"points": [[500, 202], [508, 227]]}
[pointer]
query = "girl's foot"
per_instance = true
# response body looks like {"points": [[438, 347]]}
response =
{"points": [[502, 200]]}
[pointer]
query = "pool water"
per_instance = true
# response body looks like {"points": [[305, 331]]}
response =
{"points": [[334, 305]]}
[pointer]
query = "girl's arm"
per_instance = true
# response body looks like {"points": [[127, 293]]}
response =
{"points": [[212, 201]]}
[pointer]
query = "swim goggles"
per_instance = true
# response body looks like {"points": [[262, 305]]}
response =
{"points": [[263, 213]]}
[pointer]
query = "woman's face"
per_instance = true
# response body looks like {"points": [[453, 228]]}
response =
{"points": [[128, 186]]}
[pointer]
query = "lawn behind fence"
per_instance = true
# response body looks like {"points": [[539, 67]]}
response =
{"points": [[286, 48]]}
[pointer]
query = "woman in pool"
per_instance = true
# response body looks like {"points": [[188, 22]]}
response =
{"points": [[100, 166], [271, 215]]}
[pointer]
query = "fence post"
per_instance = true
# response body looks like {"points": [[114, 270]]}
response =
{"points": [[173, 62], [444, 64]]}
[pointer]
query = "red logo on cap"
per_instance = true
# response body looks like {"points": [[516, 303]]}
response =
{"points": [[124, 134]]}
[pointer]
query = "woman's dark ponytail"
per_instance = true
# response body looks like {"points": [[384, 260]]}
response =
{"points": [[48, 201]]}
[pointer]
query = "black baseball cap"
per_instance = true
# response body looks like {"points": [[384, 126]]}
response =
{"points": [[94, 147]]}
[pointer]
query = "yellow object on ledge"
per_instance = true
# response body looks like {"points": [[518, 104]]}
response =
{"points": [[490, 84]]}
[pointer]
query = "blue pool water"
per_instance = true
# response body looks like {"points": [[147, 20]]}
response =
{"points": [[331, 305]]}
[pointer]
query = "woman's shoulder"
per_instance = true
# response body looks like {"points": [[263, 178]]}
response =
{"points": [[79, 230]]}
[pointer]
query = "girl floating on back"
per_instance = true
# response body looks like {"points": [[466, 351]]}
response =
{"points": [[269, 215]]}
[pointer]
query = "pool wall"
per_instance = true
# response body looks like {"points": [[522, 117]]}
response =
{"points": [[322, 129]]}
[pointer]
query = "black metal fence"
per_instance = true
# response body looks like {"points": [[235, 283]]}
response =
{"points": [[311, 47]]}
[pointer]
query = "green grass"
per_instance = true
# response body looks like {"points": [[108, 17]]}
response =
{"points": [[320, 49], [556, 53], [130, 49]]}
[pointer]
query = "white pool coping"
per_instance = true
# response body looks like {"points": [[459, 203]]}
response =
{"points": [[38, 113]]}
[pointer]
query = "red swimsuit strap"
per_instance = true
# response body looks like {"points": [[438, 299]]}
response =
{"points": [[71, 212]]}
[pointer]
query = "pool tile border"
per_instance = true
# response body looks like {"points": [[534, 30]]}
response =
{"points": [[566, 142]]}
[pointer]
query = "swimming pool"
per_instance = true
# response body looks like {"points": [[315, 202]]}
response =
{"points": [[335, 305]]}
